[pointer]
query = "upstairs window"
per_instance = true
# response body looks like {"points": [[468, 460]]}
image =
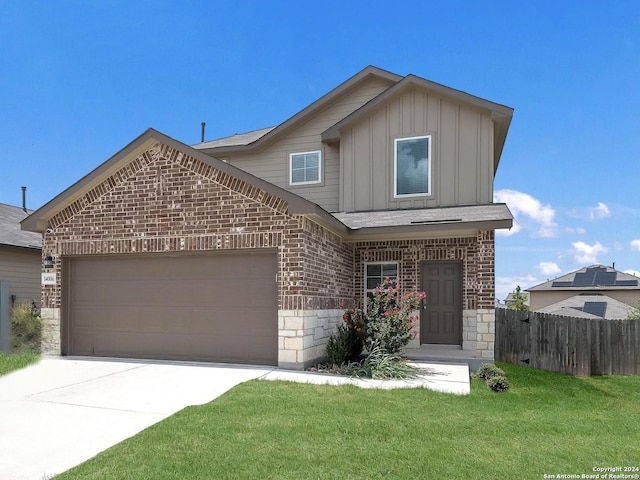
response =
{"points": [[412, 166], [304, 168]]}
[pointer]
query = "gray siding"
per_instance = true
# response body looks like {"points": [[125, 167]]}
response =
{"points": [[21, 268], [461, 152], [272, 163]]}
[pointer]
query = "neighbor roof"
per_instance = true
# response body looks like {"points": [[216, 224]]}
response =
{"points": [[10, 233], [589, 306], [595, 277]]}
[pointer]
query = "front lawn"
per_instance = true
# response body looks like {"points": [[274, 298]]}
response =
{"points": [[546, 424], [15, 361]]}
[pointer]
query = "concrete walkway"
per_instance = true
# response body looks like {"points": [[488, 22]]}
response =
{"points": [[64, 410], [441, 377]]}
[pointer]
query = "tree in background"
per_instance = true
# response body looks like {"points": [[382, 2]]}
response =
{"points": [[519, 300], [634, 312]]}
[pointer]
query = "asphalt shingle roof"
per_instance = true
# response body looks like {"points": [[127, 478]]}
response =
{"points": [[594, 277], [10, 232], [235, 140], [425, 216], [577, 306]]}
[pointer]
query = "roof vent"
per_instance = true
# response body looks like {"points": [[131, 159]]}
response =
{"points": [[24, 199]]}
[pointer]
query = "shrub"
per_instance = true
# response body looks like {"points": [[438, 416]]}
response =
{"points": [[26, 328], [380, 365], [489, 370], [498, 384], [341, 346], [634, 312], [389, 323]]}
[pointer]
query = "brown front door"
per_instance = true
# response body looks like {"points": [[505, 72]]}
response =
{"points": [[441, 313]]}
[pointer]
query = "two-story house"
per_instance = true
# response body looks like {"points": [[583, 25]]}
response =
{"points": [[247, 248]]}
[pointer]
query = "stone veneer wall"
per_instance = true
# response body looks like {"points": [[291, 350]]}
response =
{"points": [[304, 335]]}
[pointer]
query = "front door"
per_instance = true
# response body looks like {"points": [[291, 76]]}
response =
{"points": [[441, 313]]}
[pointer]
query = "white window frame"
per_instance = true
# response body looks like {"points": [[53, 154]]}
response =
{"points": [[365, 277], [313, 182], [395, 167]]}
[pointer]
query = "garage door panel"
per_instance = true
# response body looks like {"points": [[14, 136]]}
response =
{"points": [[215, 307]]}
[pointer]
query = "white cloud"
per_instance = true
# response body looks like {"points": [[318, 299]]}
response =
{"points": [[633, 272], [579, 230], [549, 268], [599, 212], [525, 207], [635, 245], [585, 253]]}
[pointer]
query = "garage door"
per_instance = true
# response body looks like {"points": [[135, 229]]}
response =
{"points": [[217, 307]]}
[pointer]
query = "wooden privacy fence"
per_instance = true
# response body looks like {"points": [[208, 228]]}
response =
{"points": [[578, 346]]}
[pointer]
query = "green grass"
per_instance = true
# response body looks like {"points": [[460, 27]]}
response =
{"points": [[546, 423], [15, 361]]}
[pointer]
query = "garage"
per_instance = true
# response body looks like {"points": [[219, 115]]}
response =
{"points": [[213, 307]]}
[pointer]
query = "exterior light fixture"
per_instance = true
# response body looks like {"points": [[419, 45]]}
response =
{"points": [[48, 261]]}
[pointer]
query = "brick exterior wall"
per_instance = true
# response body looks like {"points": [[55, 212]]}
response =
{"points": [[164, 200], [476, 254]]}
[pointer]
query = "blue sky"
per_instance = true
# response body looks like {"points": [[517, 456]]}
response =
{"points": [[79, 80]]}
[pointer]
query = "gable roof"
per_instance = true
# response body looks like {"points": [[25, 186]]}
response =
{"points": [[10, 233], [254, 140], [272, 134], [351, 226], [38, 220], [589, 306], [594, 277], [500, 114]]}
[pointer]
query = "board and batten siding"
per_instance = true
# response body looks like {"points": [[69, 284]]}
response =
{"points": [[272, 163], [461, 153], [22, 269]]}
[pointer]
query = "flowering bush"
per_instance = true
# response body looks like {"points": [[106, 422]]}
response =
{"points": [[387, 322]]}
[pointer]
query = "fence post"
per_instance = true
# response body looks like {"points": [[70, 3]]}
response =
{"points": [[5, 322]]}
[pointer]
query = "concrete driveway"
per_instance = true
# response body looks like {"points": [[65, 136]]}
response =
{"points": [[63, 411]]}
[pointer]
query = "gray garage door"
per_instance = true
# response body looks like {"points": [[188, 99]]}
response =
{"points": [[207, 307]]}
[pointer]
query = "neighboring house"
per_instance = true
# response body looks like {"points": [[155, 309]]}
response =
{"points": [[248, 248], [585, 305], [20, 257], [574, 290]]}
